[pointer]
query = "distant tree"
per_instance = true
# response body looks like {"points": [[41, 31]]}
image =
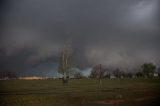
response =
{"points": [[158, 72], [98, 72], [139, 74], [65, 62], [8, 74], [127, 74], [78, 75], [94, 72], [118, 73], [148, 69]]}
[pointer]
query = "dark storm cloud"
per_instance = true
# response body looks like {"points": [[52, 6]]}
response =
{"points": [[117, 33]]}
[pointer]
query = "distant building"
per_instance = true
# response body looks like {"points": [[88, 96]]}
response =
{"points": [[112, 76], [155, 74]]}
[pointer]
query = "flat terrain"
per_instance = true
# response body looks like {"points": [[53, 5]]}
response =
{"points": [[83, 92]]}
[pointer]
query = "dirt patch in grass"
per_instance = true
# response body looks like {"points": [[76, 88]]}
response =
{"points": [[146, 98], [111, 102], [119, 101]]}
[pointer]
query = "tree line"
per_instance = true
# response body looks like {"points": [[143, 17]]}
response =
{"points": [[99, 72], [8, 75]]}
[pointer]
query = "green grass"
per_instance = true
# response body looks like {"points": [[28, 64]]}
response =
{"points": [[83, 92]]}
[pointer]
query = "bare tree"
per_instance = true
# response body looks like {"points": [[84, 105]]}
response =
{"points": [[118, 73], [65, 62], [78, 75], [98, 72], [8, 74]]}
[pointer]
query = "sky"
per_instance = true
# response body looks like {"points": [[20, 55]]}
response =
{"points": [[116, 33]]}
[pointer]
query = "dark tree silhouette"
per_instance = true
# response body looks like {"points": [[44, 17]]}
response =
{"points": [[98, 72], [118, 73], [8, 74], [78, 75], [148, 69]]}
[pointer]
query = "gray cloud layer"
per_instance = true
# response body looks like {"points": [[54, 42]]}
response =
{"points": [[116, 33]]}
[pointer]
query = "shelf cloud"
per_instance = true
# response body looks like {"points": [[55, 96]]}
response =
{"points": [[116, 33]]}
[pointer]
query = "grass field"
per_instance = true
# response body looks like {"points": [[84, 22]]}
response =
{"points": [[83, 92]]}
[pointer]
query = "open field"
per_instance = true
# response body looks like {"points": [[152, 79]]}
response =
{"points": [[83, 92]]}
